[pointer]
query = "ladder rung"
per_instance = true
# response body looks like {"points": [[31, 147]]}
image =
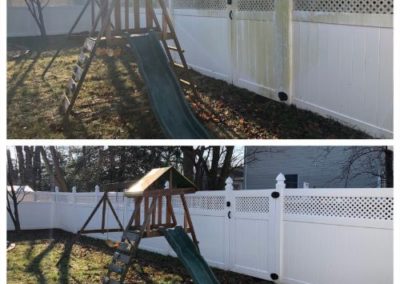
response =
{"points": [[131, 236], [107, 280], [179, 65], [83, 58], [77, 73], [175, 48], [71, 85], [124, 247], [185, 82], [121, 257], [65, 101], [115, 268], [89, 44]]}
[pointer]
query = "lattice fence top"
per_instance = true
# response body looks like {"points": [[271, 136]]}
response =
{"points": [[346, 6], [215, 202], [200, 4], [372, 208], [256, 5], [246, 204]]}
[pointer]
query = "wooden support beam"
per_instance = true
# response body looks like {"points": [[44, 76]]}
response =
{"points": [[137, 202], [160, 207], [169, 202], [189, 220], [149, 14], [153, 214], [103, 216], [93, 12], [164, 25], [136, 14], [102, 231], [169, 192], [117, 15], [146, 209], [104, 4], [138, 205], [126, 14], [114, 213], [147, 214]]}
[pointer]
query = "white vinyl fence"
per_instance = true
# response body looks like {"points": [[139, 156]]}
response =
{"points": [[331, 57], [315, 236]]}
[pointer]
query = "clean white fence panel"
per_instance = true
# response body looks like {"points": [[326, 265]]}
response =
{"points": [[40, 215], [337, 236], [252, 229], [313, 236]]}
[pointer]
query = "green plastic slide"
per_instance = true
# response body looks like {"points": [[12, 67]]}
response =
{"points": [[166, 95], [190, 256]]}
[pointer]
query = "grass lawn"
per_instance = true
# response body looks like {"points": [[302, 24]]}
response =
{"points": [[34, 259], [113, 101]]}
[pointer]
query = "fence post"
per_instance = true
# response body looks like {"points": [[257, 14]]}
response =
{"points": [[279, 197], [283, 48], [56, 191], [74, 194], [229, 207], [97, 192]]}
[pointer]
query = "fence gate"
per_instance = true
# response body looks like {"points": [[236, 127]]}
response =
{"points": [[243, 42], [253, 224], [256, 46]]}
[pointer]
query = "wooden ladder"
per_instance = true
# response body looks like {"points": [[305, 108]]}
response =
{"points": [[85, 58], [171, 44], [127, 248]]}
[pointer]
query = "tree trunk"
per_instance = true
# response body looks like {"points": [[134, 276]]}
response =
{"points": [[188, 161], [226, 168], [37, 169], [59, 175], [48, 168], [29, 179], [389, 167], [21, 164], [213, 172], [14, 214]]}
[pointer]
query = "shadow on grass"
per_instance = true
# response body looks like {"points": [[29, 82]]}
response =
{"points": [[148, 267], [73, 127], [20, 77], [34, 266], [129, 104], [64, 262]]}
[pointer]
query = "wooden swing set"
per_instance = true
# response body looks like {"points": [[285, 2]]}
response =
{"points": [[153, 214], [102, 29]]}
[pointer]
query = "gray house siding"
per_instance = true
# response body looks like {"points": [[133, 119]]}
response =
{"points": [[312, 165]]}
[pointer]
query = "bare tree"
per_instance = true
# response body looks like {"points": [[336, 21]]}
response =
{"points": [[36, 8], [373, 161], [28, 166], [55, 171], [14, 196]]}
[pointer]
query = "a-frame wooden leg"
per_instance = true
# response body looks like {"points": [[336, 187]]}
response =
{"points": [[189, 220], [115, 214]]}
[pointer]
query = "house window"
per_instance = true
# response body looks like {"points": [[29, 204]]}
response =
{"points": [[291, 181]]}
